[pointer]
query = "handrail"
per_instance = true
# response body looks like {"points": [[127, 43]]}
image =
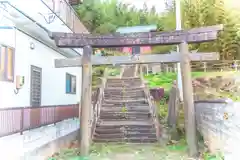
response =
{"points": [[153, 109], [97, 106]]}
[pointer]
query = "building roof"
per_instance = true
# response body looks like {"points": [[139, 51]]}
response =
{"points": [[32, 28], [133, 29]]}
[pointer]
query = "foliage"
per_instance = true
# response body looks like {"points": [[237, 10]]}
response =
{"points": [[218, 156], [114, 72], [165, 79], [106, 16], [210, 12], [97, 73]]}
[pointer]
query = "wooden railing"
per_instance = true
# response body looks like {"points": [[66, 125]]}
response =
{"points": [[153, 109], [20, 119], [97, 106], [151, 102], [209, 66]]}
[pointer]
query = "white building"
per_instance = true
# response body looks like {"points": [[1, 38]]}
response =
{"points": [[29, 79]]}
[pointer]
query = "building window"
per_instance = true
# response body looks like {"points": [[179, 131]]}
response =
{"points": [[36, 86], [6, 63], [70, 84]]}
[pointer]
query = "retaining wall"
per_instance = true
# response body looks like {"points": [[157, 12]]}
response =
{"points": [[219, 123]]}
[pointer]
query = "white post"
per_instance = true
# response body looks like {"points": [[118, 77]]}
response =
{"points": [[179, 27]]}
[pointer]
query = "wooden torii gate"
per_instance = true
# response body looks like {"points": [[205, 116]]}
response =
{"points": [[89, 41]]}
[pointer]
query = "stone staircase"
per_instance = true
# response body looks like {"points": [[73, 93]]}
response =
{"points": [[129, 71], [125, 114]]}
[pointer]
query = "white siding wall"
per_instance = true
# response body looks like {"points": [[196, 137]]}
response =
{"points": [[53, 79]]}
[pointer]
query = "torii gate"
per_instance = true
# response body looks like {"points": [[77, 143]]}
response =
{"points": [[89, 41]]}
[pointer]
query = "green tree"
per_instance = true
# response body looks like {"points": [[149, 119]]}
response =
{"points": [[106, 16], [211, 12]]}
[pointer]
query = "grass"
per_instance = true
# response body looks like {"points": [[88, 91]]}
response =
{"points": [[165, 80], [120, 151], [114, 72], [125, 151]]}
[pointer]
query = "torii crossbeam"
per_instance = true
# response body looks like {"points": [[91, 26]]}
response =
{"points": [[141, 59], [196, 35], [88, 42]]}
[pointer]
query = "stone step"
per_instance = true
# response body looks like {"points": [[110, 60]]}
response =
{"points": [[124, 113], [100, 130], [130, 85], [121, 89], [132, 105], [127, 81], [142, 94], [103, 124], [127, 95], [135, 84], [125, 135], [124, 118], [129, 140], [124, 79], [125, 98], [141, 100], [129, 104], [125, 92], [130, 99], [129, 113], [129, 109]]}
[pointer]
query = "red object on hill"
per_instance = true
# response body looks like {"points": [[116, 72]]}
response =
{"points": [[142, 49]]}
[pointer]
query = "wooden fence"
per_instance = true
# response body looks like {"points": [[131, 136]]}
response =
{"points": [[209, 66]]}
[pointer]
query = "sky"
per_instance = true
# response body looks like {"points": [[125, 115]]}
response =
{"points": [[159, 4]]}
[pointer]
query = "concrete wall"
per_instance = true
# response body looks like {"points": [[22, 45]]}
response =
{"points": [[39, 143], [53, 79], [218, 121]]}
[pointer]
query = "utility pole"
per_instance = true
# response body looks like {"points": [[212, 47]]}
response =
{"points": [[179, 27]]}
